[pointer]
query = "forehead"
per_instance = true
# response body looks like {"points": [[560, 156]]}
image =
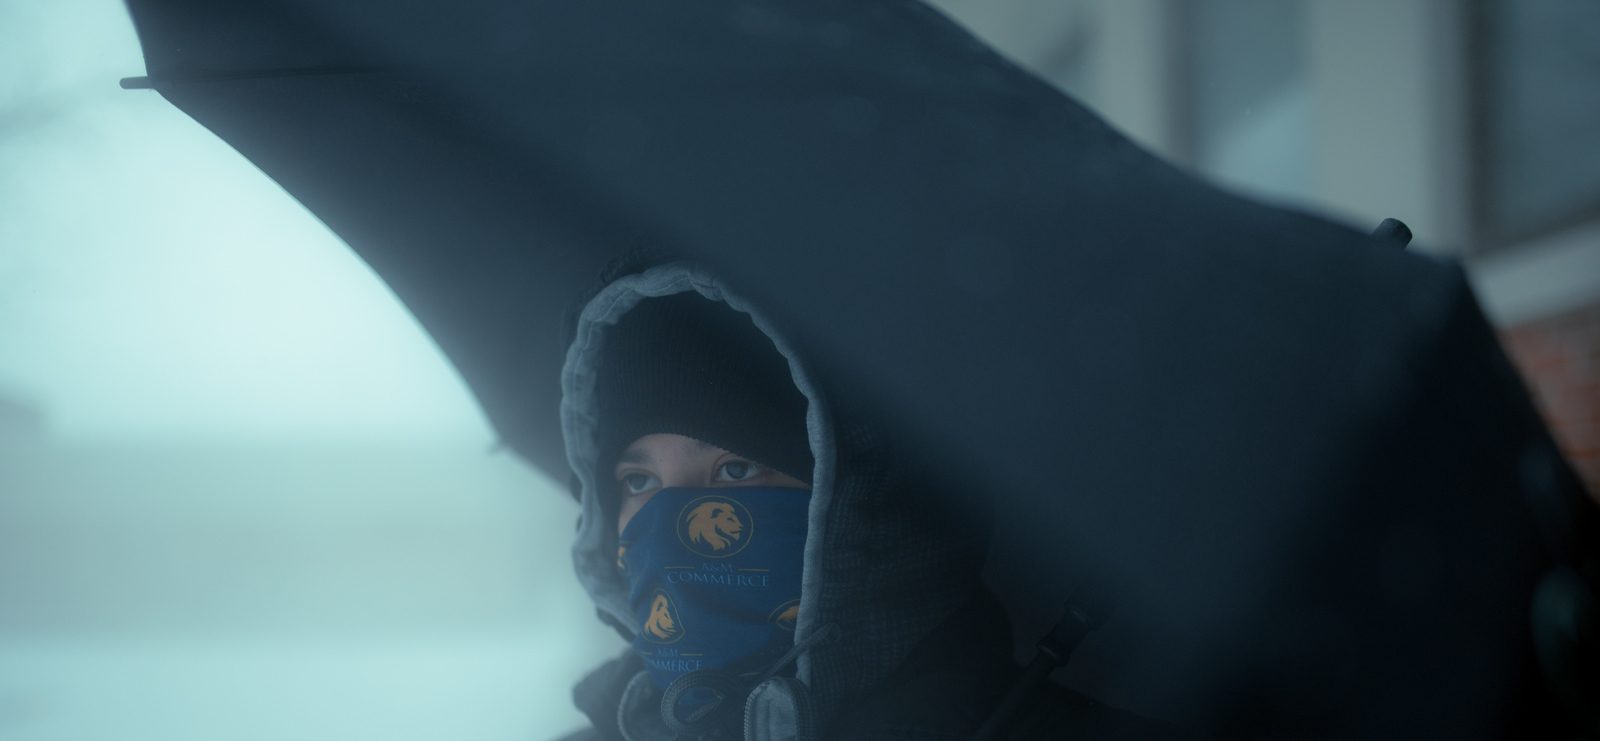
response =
{"points": [[666, 447]]}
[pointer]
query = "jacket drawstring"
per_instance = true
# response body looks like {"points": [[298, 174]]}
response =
{"points": [[1086, 610], [725, 688]]}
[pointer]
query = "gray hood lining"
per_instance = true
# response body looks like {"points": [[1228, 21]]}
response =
{"points": [[592, 554]]}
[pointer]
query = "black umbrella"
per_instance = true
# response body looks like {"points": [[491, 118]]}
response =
{"points": [[1295, 453]]}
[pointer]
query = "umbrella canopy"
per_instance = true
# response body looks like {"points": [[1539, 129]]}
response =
{"points": [[1297, 454]]}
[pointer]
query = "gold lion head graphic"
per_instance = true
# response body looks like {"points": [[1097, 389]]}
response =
{"points": [[661, 625], [714, 523], [787, 614]]}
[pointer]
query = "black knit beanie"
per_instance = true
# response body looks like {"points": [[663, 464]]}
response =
{"points": [[688, 365]]}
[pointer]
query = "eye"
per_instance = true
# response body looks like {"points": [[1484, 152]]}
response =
{"points": [[738, 470], [637, 483]]}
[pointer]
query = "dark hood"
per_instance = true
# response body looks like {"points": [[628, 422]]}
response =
{"points": [[881, 565]]}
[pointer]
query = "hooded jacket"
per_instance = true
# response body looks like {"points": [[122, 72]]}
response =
{"points": [[896, 637]]}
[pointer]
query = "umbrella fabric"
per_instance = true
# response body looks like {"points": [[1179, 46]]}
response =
{"points": [[1297, 455]]}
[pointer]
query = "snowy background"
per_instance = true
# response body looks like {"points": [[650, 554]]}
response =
{"points": [[242, 496]]}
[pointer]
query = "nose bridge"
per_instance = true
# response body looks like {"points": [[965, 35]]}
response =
{"points": [[683, 476], [685, 463]]}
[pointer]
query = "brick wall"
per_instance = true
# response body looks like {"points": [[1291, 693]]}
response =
{"points": [[1560, 357]]}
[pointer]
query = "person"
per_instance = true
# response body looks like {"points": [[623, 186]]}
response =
{"points": [[772, 561]]}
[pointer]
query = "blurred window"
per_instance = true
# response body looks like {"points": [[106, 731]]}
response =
{"points": [[1248, 117], [1536, 80]]}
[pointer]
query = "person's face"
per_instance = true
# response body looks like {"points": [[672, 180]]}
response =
{"points": [[664, 460]]}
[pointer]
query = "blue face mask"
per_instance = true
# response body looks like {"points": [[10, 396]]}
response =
{"points": [[714, 577]]}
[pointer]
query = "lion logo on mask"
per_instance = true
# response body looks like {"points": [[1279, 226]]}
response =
{"points": [[786, 615], [661, 626], [714, 524], [714, 527]]}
